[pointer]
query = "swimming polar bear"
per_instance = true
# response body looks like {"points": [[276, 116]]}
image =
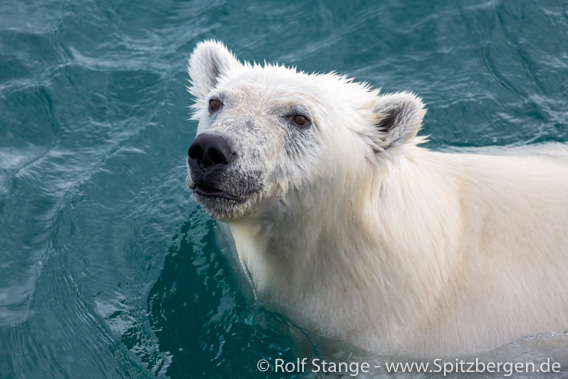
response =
{"points": [[349, 228]]}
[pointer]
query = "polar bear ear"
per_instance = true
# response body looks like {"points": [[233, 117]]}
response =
{"points": [[209, 61], [398, 118]]}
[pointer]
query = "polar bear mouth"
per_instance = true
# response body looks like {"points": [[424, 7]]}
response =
{"points": [[212, 192]]}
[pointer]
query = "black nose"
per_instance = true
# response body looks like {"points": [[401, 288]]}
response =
{"points": [[208, 150]]}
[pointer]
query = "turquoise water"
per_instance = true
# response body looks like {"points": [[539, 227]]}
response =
{"points": [[107, 267]]}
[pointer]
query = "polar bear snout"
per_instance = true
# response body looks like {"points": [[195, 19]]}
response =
{"points": [[209, 151], [209, 157], [221, 180]]}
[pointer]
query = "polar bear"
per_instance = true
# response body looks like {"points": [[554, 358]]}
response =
{"points": [[353, 231]]}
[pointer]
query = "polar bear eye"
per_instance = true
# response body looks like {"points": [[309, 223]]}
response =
{"points": [[300, 120], [214, 105]]}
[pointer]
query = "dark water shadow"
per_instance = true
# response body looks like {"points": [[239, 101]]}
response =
{"points": [[201, 317]]}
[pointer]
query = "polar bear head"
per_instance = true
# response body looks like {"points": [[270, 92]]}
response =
{"points": [[273, 141]]}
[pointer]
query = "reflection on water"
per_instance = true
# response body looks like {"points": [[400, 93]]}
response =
{"points": [[107, 268]]}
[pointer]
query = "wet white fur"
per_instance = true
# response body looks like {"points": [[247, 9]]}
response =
{"points": [[387, 245]]}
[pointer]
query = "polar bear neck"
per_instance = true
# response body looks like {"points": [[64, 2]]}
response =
{"points": [[311, 265]]}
